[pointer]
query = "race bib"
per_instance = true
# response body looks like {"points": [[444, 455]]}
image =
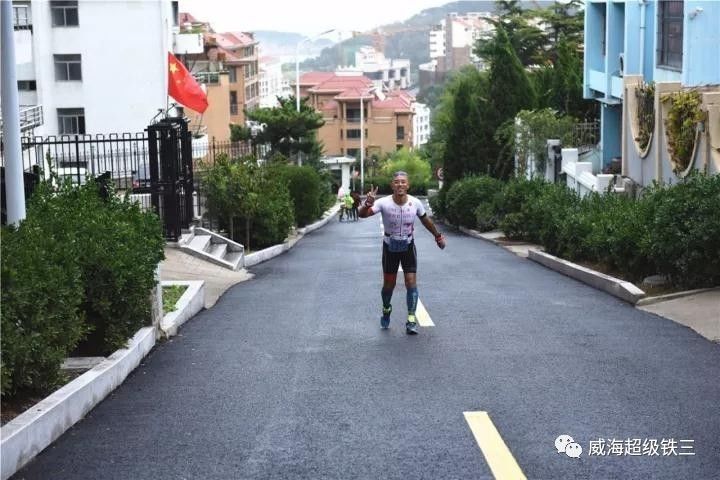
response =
{"points": [[398, 245]]}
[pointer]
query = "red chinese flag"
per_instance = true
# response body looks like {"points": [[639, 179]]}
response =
{"points": [[183, 87]]}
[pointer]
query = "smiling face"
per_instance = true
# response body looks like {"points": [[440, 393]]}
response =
{"points": [[400, 183], [562, 441]]}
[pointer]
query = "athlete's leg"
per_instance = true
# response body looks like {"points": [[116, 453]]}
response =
{"points": [[409, 263], [390, 263]]}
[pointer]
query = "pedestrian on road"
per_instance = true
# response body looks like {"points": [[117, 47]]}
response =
{"points": [[356, 203], [398, 215]]}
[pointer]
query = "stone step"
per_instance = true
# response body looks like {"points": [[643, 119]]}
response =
{"points": [[234, 258], [218, 250], [200, 243]]}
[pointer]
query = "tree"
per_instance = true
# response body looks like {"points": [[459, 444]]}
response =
{"points": [[286, 130], [528, 41]]}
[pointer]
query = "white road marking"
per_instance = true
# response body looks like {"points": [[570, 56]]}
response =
{"points": [[497, 454], [423, 317]]}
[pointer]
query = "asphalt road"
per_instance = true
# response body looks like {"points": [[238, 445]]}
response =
{"points": [[289, 376]]}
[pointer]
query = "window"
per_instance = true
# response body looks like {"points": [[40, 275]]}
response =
{"points": [[27, 85], [233, 74], [71, 121], [67, 67], [353, 133], [670, 31], [21, 17], [64, 14], [353, 152], [400, 133], [175, 12], [341, 134]]}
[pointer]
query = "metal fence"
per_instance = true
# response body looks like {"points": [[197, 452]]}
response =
{"points": [[585, 136], [127, 158]]}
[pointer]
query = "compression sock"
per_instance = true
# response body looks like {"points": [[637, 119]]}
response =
{"points": [[412, 299], [386, 297]]}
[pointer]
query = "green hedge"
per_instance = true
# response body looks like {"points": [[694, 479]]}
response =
{"points": [[466, 195], [80, 265], [305, 188]]}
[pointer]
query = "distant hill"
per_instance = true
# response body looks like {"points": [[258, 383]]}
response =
{"points": [[283, 43], [408, 39]]}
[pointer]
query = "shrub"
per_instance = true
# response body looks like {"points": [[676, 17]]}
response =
{"points": [[684, 230], [304, 186], [274, 214], [41, 296], [466, 195], [437, 202], [513, 207]]}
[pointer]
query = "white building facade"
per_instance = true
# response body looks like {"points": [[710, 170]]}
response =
{"points": [[271, 82], [93, 66], [385, 73], [421, 124]]}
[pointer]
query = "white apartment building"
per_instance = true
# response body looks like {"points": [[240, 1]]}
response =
{"points": [[421, 124], [385, 73], [271, 81], [437, 40], [93, 66]]}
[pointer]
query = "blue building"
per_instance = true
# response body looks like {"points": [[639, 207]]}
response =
{"points": [[661, 41]]}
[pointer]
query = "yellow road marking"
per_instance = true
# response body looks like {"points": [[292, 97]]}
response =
{"points": [[423, 317], [497, 454]]}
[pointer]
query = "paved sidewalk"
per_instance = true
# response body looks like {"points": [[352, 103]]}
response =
{"points": [[700, 311], [179, 265]]}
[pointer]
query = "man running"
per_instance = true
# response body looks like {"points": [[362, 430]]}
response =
{"points": [[398, 216]]}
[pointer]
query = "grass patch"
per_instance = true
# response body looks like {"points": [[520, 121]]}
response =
{"points": [[171, 295]]}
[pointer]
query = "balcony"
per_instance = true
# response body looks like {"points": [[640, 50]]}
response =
{"points": [[234, 109], [208, 78], [31, 116], [21, 18]]}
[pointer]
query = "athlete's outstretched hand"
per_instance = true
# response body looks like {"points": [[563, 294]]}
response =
{"points": [[440, 242], [370, 199]]}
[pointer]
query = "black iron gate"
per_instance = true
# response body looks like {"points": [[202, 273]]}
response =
{"points": [[170, 175]]}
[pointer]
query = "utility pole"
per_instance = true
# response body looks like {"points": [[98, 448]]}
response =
{"points": [[14, 185]]}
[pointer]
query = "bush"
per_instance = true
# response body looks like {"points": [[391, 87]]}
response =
{"points": [[554, 219], [274, 215], [41, 316], [513, 206], [466, 195], [118, 247], [437, 202], [304, 186], [78, 264], [684, 229]]}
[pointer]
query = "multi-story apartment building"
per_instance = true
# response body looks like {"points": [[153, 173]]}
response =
{"points": [[232, 56], [79, 70], [671, 43], [387, 118], [385, 73], [421, 124], [271, 81], [451, 43]]}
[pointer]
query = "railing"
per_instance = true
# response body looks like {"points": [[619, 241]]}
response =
{"points": [[585, 136], [208, 78], [30, 117], [234, 109], [21, 18]]}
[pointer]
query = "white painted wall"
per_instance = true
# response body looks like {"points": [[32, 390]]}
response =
{"points": [[421, 124], [271, 83], [124, 47]]}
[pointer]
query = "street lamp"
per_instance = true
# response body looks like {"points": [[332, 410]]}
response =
{"points": [[297, 75], [297, 65]]}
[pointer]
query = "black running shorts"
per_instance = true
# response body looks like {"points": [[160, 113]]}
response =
{"points": [[391, 260]]}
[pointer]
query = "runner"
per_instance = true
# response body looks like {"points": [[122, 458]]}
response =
{"points": [[398, 216]]}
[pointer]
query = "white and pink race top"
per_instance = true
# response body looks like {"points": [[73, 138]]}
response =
{"points": [[398, 220]]}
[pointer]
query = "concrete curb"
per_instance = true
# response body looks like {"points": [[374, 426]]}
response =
{"points": [[29, 433], [488, 236], [671, 296], [189, 304], [275, 250], [614, 286]]}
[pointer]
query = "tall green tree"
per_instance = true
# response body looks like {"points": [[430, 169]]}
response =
{"points": [[527, 40], [287, 131]]}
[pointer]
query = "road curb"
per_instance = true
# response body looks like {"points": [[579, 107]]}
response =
{"points": [[478, 235], [671, 296], [189, 304], [32, 431], [275, 250], [614, 286]]}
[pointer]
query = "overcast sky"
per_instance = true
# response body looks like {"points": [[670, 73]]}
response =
{"points": [[308, 17]]}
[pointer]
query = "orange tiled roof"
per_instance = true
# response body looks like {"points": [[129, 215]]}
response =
{"points": [[315, 78]]}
